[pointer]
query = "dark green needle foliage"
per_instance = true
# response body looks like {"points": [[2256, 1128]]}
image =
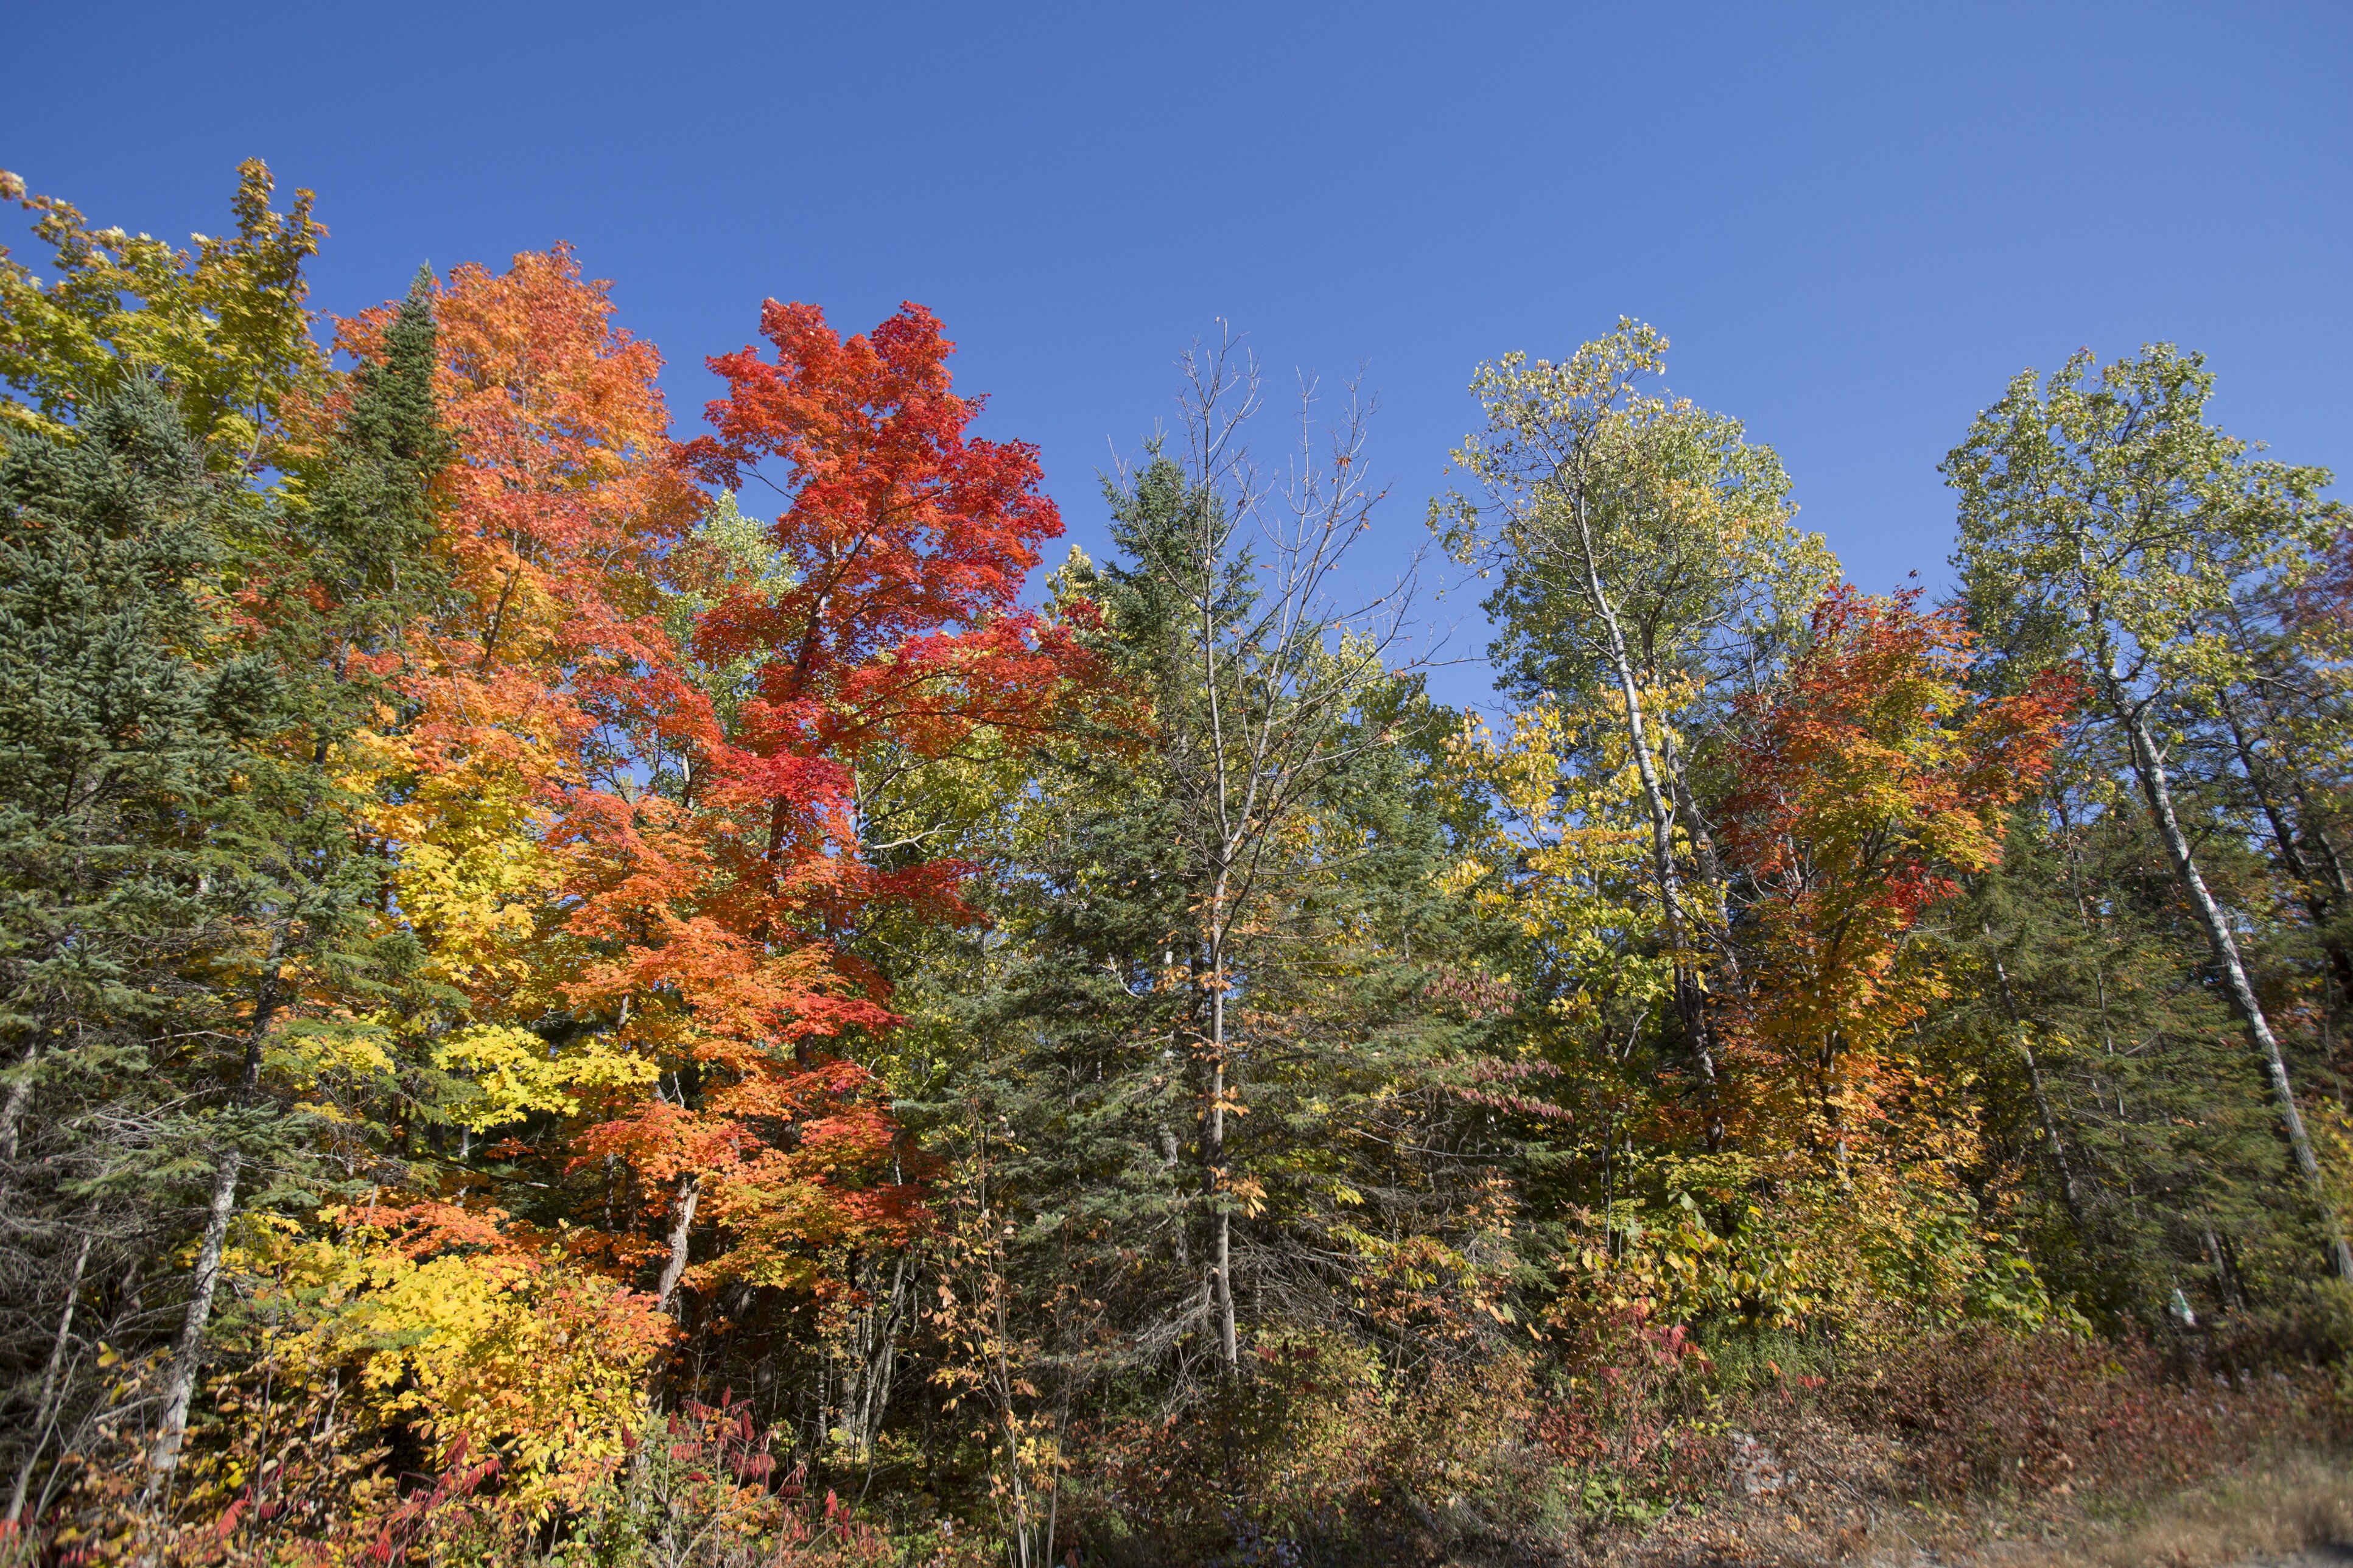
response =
{"points": [[126, 844], [172, 854]]}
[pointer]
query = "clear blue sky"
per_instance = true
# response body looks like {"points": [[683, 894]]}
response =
{"points": [[1855, 222]]}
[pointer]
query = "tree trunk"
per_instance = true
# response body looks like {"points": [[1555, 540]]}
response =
{"points": [[166, 1457], [873, 1357], [1213, 1153], [2226, 1287], [2159, 791], [1016, 1485], [1654, 795], [20, 1093], [1691, 992], [44, 1409], [689, 1193], [1711, 867]]}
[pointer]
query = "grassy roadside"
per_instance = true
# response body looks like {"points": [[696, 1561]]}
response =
{"points": [[2285, 1503], [1971, 1448], [2272, 1506]]}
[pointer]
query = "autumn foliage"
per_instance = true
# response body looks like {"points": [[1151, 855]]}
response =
{"points": [[1871, 783], [570, 995], [631, 877]]}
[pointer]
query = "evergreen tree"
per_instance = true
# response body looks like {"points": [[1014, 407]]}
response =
{"points": [[1351, 1159], [196, 973], [351, 562], [127, 837], [2110, 1067]]}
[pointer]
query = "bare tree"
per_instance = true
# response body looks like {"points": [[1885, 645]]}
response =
{"points": [[1274, 663]]}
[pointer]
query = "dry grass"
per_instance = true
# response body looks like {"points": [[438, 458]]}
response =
{"points": [[2286, 1509], [1985, 1451], [2287, 1505]]}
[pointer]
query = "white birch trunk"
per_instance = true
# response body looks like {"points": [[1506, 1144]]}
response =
{"points": [[165, 1455], [2159, 791], [44, 1409]]}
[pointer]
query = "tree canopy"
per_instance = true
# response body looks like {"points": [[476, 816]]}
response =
{"points": [[569, 990]]}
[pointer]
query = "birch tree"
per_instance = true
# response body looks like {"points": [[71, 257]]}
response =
{"points": [[2104, 520], [1644, 554]]}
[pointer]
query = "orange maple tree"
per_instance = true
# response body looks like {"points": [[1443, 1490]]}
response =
{"points": [[889, 617], [1873, 779], [645, 893]]}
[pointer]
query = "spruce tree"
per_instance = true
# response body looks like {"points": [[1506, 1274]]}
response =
{"points": [[342, 576], [2112, 1069], [126, 722], [188, 936], [1080, 1017]]}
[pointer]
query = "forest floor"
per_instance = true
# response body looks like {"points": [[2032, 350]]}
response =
{"points": [[1828, 1503]]}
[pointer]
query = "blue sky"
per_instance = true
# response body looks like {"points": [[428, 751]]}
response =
{"points": [[1855, 222]]}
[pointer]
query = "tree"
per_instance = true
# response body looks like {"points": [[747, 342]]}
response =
{"points": [[1645, 553], [891, 624], [1556, 855], [347, 561], [1058, 1064], [111, 742], [2104, 518], [905, 541], [2107, 1061], [1872, 781], [1869, 785], [225, 328], [171, 865], [642, 757], [1261, 681], [538, 684]]}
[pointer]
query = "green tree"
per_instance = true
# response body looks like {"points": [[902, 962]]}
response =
{"points": [[1647, 565], [2104, 520], [196, 971], [1263, 685], [1065, 1061], [2104, 1060], [224, 326], [126, 835], [350, 561]]}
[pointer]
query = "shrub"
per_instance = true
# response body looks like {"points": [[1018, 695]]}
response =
{"points": [[1985, 1411]]}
